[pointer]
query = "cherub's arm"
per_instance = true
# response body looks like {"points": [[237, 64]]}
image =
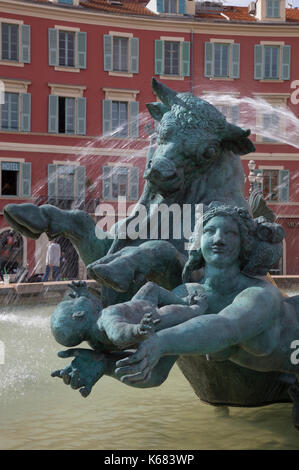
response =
{"points": [[88, 366]]}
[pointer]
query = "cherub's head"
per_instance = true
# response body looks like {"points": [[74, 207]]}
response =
{"points": [[75, 316]]}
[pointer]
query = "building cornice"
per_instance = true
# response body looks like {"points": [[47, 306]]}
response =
{"points": [[156, 23]]}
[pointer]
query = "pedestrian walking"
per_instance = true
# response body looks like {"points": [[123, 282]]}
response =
{"points": [[53, 261]]}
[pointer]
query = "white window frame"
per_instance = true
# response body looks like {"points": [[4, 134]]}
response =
{"points": [[67, 68], [115, 73], [171, 13], [14, 63], [12, 160], [19, 87], [229, 43], [128, 166], [114, 94], [276, 100], [173, 39], [277, 44], [68, 91]]}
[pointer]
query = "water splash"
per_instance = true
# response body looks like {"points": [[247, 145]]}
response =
{"points": [[285, 125]]}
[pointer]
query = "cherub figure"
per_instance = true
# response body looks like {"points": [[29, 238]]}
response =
{"points": [[80, 317]]}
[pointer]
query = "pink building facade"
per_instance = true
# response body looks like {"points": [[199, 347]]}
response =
{"points": [[76, 77]]}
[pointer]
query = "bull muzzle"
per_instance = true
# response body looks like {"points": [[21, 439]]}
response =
{"points": [[160, 170]]}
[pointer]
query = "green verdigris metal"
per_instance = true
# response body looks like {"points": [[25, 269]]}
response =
{"points": [[196, 160]]}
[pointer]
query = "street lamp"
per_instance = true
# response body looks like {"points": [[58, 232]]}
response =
{"points": [[254, 178]]}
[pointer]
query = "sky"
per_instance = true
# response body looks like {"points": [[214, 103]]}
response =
{"points": [[152, 4]]}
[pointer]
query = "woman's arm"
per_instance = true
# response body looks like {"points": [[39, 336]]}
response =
{"points": [[252, 312]]}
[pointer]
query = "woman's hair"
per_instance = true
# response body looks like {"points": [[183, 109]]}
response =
{"points": [[260, 241]]}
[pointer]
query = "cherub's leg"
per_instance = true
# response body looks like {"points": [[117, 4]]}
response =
{"points": [[294, 394], [157, 295], [151, 260], [116, 271]]}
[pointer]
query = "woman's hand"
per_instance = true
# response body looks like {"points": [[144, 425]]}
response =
{"points": [[138, 367], [84, 371]]}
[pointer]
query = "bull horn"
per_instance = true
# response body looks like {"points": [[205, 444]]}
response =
{"points": [[165, 94]]}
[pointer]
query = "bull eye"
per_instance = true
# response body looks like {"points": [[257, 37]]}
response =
{"points": [[149, 163]]}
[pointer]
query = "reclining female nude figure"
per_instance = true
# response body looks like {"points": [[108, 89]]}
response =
{"points": [[239, 317]]}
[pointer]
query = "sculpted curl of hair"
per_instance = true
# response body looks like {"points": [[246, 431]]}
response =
{"points": [[261, 242]]}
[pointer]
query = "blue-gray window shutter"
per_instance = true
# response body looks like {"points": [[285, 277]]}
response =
{"points": [[186, 59], [81, 49], [53, 46], [285, 62], [160, 6], [80, 174], [235, 61], [108, 52], [209, 52], [81, 116], [52, 181], [25, 43], [134, 112], [134, 183], [106, 183], [107, 116], [284, 187], [159, 57], [258, 62], [134, 46], [25, 111], [182, 7], [53, 114], [26, 180]]}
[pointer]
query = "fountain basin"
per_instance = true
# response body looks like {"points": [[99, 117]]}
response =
{"points": [[40, 412]]}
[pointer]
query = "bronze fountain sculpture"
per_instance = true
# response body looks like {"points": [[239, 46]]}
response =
{"points": [[205, 306]]}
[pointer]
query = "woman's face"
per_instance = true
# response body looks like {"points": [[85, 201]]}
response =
{"points": [[220, 242]]}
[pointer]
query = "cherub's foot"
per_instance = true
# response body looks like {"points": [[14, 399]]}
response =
{"points": [[112, 275], [294, 394], [198, 298], [147, 325], [78, 288]]}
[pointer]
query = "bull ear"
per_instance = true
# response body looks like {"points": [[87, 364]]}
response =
{"points": [[241, 146], [236, 140], [157, 110], [165, 94]]}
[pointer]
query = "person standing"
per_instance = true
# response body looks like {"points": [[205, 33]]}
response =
{"points": [[53, 261]]}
